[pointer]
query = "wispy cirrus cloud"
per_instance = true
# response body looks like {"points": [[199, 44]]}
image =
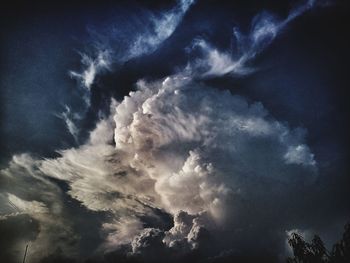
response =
{"points": [[264, 29], [142, 40], [163, 26], [92, 67]]}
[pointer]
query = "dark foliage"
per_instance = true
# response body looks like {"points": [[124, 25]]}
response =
{"points": [[315, 251]]}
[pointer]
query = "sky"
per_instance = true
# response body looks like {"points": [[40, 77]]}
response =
{"points": [[180, 131]]}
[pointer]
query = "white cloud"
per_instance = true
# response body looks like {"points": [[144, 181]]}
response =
{"points": [[69, 119], [300, 154], [184, 148], [121, 232], [144, 40], [205, 144], [265, 27], [163, 26], [92, 67], [218, 63]]}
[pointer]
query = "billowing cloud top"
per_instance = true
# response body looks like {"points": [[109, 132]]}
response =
{"points": [[180, 147]]}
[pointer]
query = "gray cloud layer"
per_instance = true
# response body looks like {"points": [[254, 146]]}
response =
{"points": [[37, 204]]}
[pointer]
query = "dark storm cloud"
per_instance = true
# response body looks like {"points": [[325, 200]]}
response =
{"points": [[176, 170], [39, 201], [16, 232]]}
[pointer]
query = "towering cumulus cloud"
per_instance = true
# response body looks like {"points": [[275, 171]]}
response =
{"points": [[185, 149], [177, 167]]}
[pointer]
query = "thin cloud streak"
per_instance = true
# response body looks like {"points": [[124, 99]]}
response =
{"points": [[264, 29]]}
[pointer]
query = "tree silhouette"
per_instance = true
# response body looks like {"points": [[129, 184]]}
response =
{"points": [[316, 252]]}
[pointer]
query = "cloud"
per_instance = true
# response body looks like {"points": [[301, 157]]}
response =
{"points": [[214, 62], [92, 67], [101, 179], [162, 27], [36, 203], [100, 62], [300, 154], [210, 146], [144, 40], [70, 119], [221, 167], [188, 229], [115, 47], [166, 143], [150, 241], [16, 232], [264, 29], [189, 150]]}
